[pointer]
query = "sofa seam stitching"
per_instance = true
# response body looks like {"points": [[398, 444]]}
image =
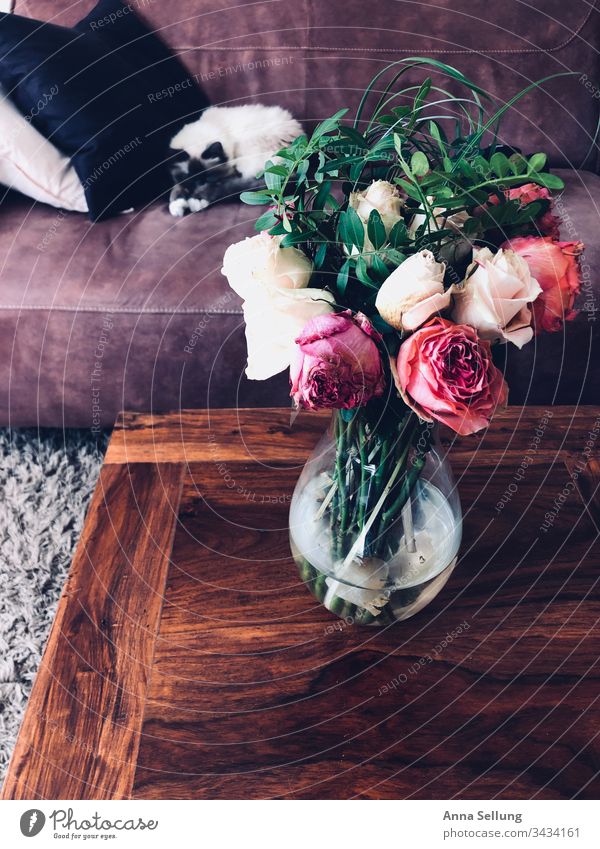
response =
{"points": [[116, 310], [484, 51]]}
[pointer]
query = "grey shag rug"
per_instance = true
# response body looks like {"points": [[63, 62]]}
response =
{"points": [[46, 480]]}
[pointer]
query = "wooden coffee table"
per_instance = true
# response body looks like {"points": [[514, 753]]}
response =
{"points": [[187, 659]]}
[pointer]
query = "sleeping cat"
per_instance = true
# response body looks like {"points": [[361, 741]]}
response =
{"points": [[221, 153]]}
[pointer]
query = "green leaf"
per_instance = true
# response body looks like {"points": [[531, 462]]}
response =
{"points": [[550, 181], [356, 228], [500, 164], [376, 230], [531, 211], [481, 166], [342, 278], [340, 162], [402, 111], [273, 181], [410, 189], [322, 195], [398, 235], [472, 226], [419, 164], [379, 268], [395, 256], [438, 134], [351, 229], [292, 239], [328, 124], [277, 169], [537, 162], [267, 220], [422, 94], [256, 198], [320, 255], [469, 171], [355, 137], [362, 273], [518, 164]]}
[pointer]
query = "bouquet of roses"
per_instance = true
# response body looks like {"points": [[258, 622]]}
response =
{"points": [[394, 251]]}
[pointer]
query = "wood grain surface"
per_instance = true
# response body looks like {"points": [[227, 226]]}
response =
{"points": [[250, 689], [81, 732]]}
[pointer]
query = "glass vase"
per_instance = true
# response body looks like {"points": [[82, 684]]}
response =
{"points": [[375, 518]]}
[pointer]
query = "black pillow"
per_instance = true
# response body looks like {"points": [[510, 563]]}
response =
{"points": [[108, 93]]}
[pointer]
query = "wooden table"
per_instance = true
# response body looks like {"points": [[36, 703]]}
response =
{"points": [[187, 659]]}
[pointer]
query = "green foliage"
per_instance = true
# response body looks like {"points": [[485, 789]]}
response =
{"points": [[433, 146]]}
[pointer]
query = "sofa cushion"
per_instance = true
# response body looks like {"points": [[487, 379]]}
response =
{"points": [[134, 313], [99, 86]]}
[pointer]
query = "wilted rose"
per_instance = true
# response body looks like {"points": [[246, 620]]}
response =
{"points": [[413, 292], [547, 223], [337, 363], [272, 282], [495, 295], [556, 267], [445, 372]]}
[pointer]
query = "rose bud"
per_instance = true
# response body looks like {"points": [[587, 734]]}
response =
{"points": [[556, 267], [494, 297], [337, 363], [382, 196], [413, 292], [445, 372], [547, 224]]}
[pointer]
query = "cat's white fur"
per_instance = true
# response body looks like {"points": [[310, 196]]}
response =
{"points": [[250, 134]]}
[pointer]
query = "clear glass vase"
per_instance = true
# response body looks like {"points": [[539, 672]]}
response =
{"points": [[375, 519]]}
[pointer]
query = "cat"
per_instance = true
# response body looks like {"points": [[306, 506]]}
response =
{"points": [[221, 154]]}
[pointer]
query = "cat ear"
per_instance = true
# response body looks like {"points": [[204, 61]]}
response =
{"points": [[215, 151]]}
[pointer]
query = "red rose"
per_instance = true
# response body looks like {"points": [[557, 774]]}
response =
{"points": [[555, 266]]}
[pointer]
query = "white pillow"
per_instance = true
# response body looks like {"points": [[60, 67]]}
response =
{"points": [[32, 165]]}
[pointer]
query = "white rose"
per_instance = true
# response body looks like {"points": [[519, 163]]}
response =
{"points": [[494, 297], [383, 197], [273, 322], [272, 282], [259, 261], [413, 292]]}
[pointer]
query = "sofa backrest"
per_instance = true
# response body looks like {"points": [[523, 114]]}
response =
{"points": [[315, 56]]}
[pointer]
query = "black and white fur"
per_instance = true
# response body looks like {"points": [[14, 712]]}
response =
{"points": [[221, 153]]}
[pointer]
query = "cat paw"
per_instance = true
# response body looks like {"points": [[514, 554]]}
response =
{"points": [[179, 207], [197, 204]]}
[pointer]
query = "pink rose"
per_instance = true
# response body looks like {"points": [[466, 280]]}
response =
{"points": [[548, 223], [445, 372], [495, 295], [555, 266], [337, 363]]}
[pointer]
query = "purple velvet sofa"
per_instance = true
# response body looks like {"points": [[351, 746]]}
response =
{"points": [[134, 313]]}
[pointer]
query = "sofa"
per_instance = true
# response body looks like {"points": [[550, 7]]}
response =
{"points": [[133, 312]]}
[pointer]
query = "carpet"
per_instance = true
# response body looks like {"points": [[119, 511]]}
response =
{"points": [[46, 480]]}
